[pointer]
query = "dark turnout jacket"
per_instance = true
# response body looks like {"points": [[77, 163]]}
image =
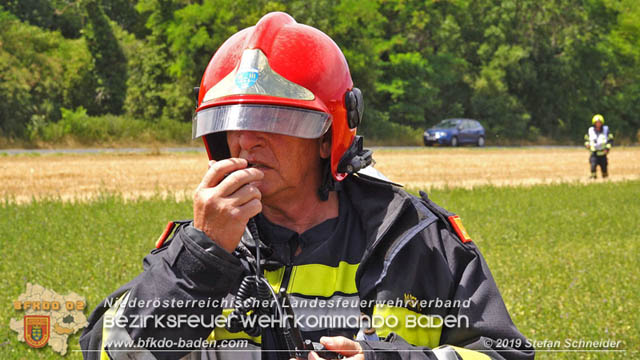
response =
{"points": [[418, 267]]}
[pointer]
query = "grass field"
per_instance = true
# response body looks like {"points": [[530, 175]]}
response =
{"points": [[564, 255]]}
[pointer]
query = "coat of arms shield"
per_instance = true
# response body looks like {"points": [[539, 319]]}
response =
{"points": [[36, 330]]}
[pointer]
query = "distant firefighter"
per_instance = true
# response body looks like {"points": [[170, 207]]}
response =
{"points": [[598, 141]]}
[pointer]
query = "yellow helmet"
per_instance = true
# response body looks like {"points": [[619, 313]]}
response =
{"points": [[597, 117]]}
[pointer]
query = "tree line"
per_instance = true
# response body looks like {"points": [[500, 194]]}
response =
{"points": [[527, 69]]}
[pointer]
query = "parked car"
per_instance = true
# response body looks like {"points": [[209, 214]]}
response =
{"points": [[455, 132]]}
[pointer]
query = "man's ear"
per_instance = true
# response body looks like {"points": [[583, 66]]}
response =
{"points": [[325, 145]]}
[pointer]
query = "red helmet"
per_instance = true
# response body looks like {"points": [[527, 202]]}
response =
{"points": [[282, 77]]}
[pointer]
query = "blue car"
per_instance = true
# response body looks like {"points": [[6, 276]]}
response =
{"points": [[455, 132]]}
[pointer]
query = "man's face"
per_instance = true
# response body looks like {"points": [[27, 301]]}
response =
{"points": [[291, 165], [598, 125]]}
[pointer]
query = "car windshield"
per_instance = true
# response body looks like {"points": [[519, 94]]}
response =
{"points": [[448, 123]]}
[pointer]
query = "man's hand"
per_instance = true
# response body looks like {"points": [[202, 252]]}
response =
{"points": [[225, 200], [606, 151], [340, 345]]}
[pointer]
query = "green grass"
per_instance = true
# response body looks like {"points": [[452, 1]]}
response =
{"points": [[87, 248], [564, 256]]}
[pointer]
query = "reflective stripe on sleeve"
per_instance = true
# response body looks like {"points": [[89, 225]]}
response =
{"points": [[448, 352], [408, 325], [105, 330], [117, 344]]}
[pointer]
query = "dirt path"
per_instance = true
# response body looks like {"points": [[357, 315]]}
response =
{"points": [[132, 175]]}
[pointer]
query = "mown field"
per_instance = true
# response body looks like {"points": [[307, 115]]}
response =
{"points": [[564, 255], [25, 177]]}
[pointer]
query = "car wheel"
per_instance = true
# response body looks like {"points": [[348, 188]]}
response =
{"points": [[480, 141], [426, 143], [454, 141]]}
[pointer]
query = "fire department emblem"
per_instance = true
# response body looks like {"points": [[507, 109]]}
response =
{"points": [[247, 78], [36, 330]]}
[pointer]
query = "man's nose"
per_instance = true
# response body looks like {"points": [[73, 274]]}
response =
{"points": [[248, 140]]}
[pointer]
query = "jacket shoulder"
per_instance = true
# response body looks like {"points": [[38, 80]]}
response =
{"points": [[382, 204], [450, 220], [169, 230]]}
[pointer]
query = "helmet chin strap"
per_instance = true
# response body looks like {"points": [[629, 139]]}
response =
{"points": [[328, 182]]}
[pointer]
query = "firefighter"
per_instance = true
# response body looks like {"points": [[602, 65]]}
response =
{"points": [[598, 141], [289, 178]]}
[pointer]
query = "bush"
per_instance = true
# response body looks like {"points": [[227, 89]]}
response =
{"points": [[172, 131], [79, 128], [379, 130], [40, 72]]}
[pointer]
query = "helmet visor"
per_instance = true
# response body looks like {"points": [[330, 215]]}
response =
{"points": [[302, 123]]}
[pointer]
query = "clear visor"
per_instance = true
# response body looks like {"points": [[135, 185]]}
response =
{"points": [[302, 123]]}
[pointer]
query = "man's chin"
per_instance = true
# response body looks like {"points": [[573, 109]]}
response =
{"points": [[265, 190], [273, 198]]}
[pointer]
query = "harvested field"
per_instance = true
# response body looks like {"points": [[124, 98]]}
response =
{"points": [[470, 167], [68, 177], [74, 176]]}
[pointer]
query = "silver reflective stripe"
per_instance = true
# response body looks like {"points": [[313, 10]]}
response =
{"points": [[254, 76], [118, 337], [372, 172], [250, 352], [298, 122], [445, 353], [598, 141]]}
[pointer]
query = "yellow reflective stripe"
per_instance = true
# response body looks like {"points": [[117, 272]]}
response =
{"points": [[323, 280], [105, 331], [275, 278], [224, 334], [467, 354], [310, 280], [416, 335]]}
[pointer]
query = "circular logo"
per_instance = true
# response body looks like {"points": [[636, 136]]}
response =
{"points": [[247, 78]]}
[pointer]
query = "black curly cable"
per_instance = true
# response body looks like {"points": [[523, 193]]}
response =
{"points": [[253, 229], [251, 287]]}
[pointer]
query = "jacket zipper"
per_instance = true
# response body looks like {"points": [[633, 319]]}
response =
{"points": [[284, 284]]}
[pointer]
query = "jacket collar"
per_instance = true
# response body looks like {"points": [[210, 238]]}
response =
{"points": [[389, 216], [382, 206]]}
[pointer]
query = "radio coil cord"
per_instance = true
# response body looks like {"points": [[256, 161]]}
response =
{"points": [[256, 287], [254, 291]]}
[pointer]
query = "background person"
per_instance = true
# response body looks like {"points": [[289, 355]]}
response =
{"points": [[278, 113], [598, 141]]}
